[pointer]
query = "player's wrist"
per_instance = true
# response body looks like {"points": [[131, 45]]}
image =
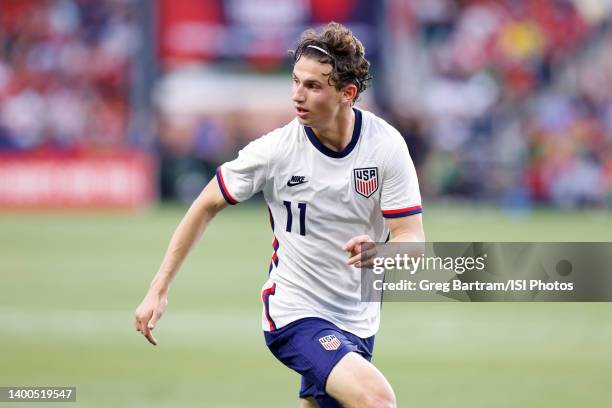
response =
{"points": [[159, 287]]}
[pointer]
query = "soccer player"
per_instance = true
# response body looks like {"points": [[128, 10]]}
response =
{"points": [[334, 178]]}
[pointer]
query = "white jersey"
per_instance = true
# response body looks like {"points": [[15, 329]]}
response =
{"points": [[319, 199]]}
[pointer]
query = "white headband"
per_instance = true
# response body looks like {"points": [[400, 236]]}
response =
{"points": [[319, 49]]}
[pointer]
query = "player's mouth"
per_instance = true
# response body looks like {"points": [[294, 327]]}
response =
{"points": [[301, 112]]}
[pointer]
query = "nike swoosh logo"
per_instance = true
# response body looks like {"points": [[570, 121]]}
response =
{"points": [[291, 184]]}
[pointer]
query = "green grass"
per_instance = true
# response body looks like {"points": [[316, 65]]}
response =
{"points": [[70, 283]]}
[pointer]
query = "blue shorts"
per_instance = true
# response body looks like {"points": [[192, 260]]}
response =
{"points": [[312, 347]]}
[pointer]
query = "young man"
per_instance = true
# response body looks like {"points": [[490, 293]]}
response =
{"points": [[334, 178]]}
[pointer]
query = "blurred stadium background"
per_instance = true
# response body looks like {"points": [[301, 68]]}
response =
{"points": [[115, 113]]}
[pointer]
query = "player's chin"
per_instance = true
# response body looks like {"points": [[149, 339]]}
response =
{"points": [[303, 120]]}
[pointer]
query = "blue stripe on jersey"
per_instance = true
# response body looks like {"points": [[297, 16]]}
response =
{"points": [[409, 211], [349, 148]]}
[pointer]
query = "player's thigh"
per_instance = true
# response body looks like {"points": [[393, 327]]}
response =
{"points": [[355, 382], [308, 403]]}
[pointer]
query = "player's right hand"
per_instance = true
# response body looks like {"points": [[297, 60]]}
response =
{"points": [[361, 250], [148, 313]]}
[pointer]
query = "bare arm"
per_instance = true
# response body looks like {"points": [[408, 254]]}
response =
{"points": [[188, 232], [407, 229]]}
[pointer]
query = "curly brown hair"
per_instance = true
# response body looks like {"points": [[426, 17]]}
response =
{"points": [[336, 45]]}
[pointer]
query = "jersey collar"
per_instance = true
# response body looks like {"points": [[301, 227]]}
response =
{"points": [[344, 152]]}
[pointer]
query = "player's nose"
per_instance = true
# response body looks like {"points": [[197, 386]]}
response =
{"points": [[298, 94]]}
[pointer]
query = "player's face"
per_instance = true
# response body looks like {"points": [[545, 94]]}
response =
{"points": [[315, 101]]}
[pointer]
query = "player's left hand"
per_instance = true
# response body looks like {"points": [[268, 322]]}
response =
{"points": [[362, 251]]}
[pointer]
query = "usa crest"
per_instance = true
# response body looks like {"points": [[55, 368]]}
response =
{"points": [[330, 342], [366, 180]]}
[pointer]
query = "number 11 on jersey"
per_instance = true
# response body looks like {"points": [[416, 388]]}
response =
{"points": [[302, 208]]}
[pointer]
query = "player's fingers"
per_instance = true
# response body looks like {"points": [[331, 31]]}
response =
{"points": [[366, 248], [368, 263], [355, 249], [362, 246], [153, 320], [367, 245], [151, 338], [146, 332], [138, 319], [143, 327], [368, 255], [369, 251], [353, 242], [363, 259], [350, 245], [142, 319], [353, 260]]}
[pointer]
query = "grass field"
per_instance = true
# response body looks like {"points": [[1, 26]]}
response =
{"points": [[70, 284]]}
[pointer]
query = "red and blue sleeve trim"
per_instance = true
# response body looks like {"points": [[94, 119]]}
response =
{"points": [[402, 212], [226, 194]]}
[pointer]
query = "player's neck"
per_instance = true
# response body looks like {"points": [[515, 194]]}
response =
{"points": [[339, 133]]}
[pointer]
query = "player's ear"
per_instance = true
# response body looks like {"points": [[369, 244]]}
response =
{"points": [[349, 92]]}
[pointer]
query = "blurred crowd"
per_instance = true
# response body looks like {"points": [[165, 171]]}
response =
{"points": [[507, 99], [498, 100], [64, 73]]}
